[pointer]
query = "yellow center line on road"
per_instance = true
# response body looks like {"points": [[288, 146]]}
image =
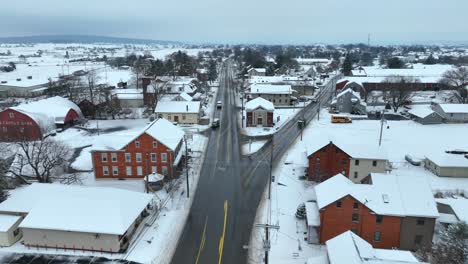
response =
{"points": [[221, 240], [202, 242]]}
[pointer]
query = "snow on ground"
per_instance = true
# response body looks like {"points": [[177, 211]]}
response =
{"points": [[399, 138], [253, 146], [284, 114]]}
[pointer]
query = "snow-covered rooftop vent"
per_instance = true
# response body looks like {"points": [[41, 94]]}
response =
{"points": [[385, 198]]}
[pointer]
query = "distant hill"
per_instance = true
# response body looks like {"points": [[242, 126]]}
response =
{"points": [[85, 39]]}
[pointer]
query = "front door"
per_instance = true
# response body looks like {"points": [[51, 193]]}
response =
{"points": [[259, 121]]}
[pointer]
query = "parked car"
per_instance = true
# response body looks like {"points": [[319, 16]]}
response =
{"points": [[219, 104]]}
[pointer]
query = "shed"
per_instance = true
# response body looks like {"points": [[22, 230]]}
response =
{"points": [[425, 115], [447, 165], [9, 232]]}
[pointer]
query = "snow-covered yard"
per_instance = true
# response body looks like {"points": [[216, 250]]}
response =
{"points": [[288, 191], [252, 146], [280, 117]]}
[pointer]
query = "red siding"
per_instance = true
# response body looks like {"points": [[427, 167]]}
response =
{"points": [[332, 161], [334, 221], [71, 116], [146, 148], [249, 119], [15, 126]]}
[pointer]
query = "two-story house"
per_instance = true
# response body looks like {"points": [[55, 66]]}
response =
{"points": [[392, 212], [157, 149], [357, 162]]}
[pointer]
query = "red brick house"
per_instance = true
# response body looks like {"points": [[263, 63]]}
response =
{"points": [[158, 149], [327, 158], [259, 112], [392, 212], [34, 120]]}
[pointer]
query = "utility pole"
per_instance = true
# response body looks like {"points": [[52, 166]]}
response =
{"points": [[147, 174], [186, 166], [271, 167], [382, 121]]}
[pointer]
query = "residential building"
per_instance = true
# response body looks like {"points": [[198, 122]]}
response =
{"points": [[393, 211], [425, 115], [77, 217], [259, 112], [277, 94], [183, 97], [158, 149], [129, 98], [9, 230], [34, 120], [452, 210], [357, 162], [349, 248], [181, 112], [447, 165], [452, 113], [349, 101], [256, 72], [312, 221]]}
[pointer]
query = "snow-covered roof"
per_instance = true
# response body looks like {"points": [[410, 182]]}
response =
{"points": [[349, 248], [421, 111], [177, 107], [359, 72], [270, 89], [312, 213], [185, 96], [7, 221], [257, 69], [443, 159], [454, 108], [45, 122], [348, 90], [259, 102], [154, 177], [77, 208], [56, 107], [459, 207], [389, 194], [357, 151]]}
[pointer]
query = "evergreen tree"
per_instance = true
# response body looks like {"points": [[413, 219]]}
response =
{"points": [[395, 63], [452, 246], [430, 60], [212, 72], [347, 66]]}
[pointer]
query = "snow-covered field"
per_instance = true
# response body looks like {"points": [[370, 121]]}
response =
{"points": [[399, 138]]}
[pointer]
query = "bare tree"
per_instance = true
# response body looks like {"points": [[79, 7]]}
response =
{"points": [[92, 79], [399, 90], [457, 77], [40, 159]]}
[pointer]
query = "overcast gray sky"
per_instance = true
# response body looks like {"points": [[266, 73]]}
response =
{"points": [[242, 21]]}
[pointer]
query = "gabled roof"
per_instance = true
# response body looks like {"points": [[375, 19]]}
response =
{"points": [[271, 89], [185, 96], [421, 111], [257, 69], [448, 160], [349, 248], [348, 90], [356, 151], [459, 207], [454, 108], [77, 208], [259, 102], [389, 194]]}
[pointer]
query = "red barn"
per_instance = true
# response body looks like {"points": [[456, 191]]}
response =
{"points": [[157, 149], [31, 121], [259, 112], [388, 213]]}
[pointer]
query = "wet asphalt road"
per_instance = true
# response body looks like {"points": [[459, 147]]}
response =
{"points": [[231, 186]]}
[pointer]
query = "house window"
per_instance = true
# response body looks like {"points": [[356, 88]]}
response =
{"points": [[114, 157], [137, 144], [377, 236], [338, 204], [115, 170], [374, 163], [355, 174], [355, 218], [154, 169], [183, 117], [138, 157], [163, 157], [12, 115], [155, 144], [356, 162], [129, 170], [420, 222], [164, 170], [105, 170], [128, 157], [104, 157], [153, 157], [418, 239], [139, 170], [355, 205], [378, 219], [16, 232]]}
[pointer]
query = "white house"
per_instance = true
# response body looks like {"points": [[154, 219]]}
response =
{"points": [[452, 210], [179, 111], [447, 165], [277, 94], [256, 72], [9, 231], [76, 217], [452, 113]]}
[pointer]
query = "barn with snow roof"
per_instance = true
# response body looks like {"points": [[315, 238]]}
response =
{"points": [[34, 120]]}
